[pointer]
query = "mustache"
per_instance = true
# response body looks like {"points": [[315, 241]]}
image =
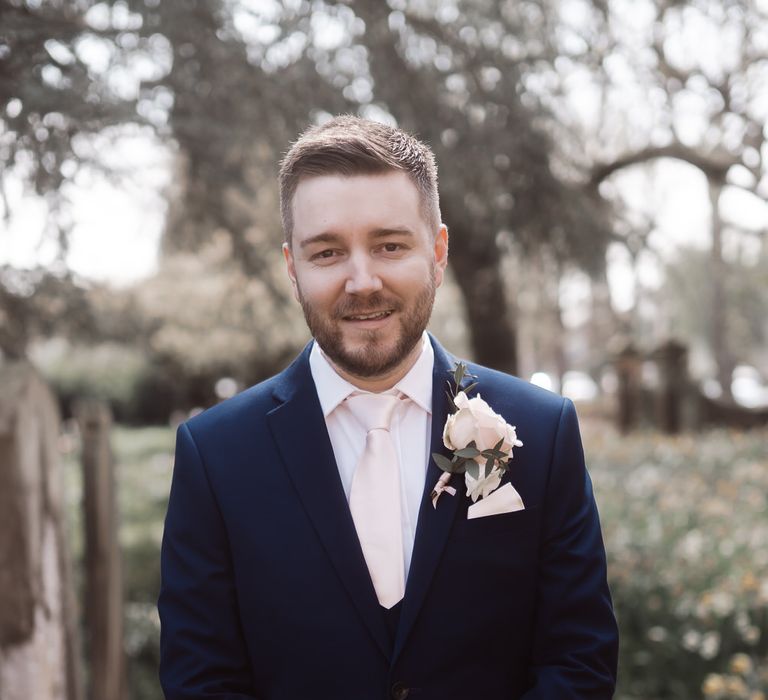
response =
{"points": [[352, 306]]}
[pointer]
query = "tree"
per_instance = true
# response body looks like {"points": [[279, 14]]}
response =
{"points": [[51, 97], [282, 73], [703, 55]]}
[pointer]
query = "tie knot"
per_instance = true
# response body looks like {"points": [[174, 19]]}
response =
{"points": [[374, 411]]}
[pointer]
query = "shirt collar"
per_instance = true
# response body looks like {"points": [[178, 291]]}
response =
{"points": [[332, 388]]}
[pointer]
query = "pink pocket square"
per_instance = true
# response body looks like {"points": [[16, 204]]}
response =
{"points": [[503, 500]]}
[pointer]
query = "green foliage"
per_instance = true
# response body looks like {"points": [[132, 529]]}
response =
{"points": [[686, 536], [204, 316], [50, 94], [137, 388], [36, 303], [106, 371]]}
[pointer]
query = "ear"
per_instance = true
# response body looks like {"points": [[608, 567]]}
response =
{"points": [[441, 254], [291, 269]]}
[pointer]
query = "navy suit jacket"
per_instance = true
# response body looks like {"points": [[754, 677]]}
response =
{"points": [[265, 592]]}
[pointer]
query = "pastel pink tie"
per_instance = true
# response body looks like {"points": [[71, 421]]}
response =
{"points": [[374, 499]]}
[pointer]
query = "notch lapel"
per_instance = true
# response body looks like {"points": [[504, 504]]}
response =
{"points": [[311, 465], [434, 524]]}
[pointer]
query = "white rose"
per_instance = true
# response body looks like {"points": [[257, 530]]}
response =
{"points": [[476, 420], [484, 485]]}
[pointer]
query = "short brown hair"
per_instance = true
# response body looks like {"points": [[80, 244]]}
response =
{"points": [[348, 145]]}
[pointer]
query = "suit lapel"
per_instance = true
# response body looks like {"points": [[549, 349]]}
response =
{"points": [[434, 524], [311, 465]]}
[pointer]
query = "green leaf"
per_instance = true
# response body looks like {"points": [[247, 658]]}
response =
{"points": [[460, 465], [458, 374], [469, 451], [498, 445], [473, 470], [489, 465], [451, 403], [443, 462], [469, 388]]}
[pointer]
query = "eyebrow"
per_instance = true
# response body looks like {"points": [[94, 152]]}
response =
{"points": [[325, 237], [331, 237]]}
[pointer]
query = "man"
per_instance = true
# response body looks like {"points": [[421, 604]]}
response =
{"points": [[305, 554]]}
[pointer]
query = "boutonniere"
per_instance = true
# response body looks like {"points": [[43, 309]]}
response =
{"points": [[481, 441]]}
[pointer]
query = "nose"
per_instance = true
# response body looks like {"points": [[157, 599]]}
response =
{"points": [[362, 278]]}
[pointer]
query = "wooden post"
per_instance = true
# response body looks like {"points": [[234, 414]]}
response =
{"points": [[103, 576], [672, 361], [39, 644], [627, 363]]}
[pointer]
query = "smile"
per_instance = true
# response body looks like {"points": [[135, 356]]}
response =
{"points": [[368, 317]]}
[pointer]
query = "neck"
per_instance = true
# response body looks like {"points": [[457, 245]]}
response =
{"points": [[381, 382]]}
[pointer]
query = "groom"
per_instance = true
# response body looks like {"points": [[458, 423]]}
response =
{"points": [[307, 553]]}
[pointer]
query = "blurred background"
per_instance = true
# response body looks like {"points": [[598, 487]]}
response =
{"points": [[603, 174]]}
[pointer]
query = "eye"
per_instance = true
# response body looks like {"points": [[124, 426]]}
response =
{"points": [[392, 247], [326, 254]]}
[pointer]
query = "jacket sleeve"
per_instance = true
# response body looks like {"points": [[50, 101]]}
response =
{"points": [[202, 650], [575, 647]]}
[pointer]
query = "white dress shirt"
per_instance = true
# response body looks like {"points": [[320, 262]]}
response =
{"points": [[410, 429]]}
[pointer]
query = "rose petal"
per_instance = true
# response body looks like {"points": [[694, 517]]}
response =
{"points": [[462, 430], [487, 437], [480, 488], [447, 432], [461, 400]]}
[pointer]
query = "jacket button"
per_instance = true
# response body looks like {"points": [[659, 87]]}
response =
{"points": [[400, 692]]}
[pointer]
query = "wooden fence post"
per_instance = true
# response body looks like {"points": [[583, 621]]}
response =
{"points": [[627, 364], [672, 360], [39, 644], [103, 562]]}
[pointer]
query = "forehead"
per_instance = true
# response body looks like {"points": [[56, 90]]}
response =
{"points": [[357, 203]]}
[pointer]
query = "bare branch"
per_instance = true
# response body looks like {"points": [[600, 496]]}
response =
{"points": [[714, 168]]}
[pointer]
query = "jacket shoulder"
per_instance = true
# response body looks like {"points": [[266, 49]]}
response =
{"points": [[244, 411]]}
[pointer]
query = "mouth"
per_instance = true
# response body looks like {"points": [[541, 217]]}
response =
{"points": [[372, 316]]}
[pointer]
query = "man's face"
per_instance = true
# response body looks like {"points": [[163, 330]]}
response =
{"points": [[364, 266]]}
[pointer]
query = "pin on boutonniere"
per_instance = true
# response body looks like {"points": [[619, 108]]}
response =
{"points": [[481, 441]]}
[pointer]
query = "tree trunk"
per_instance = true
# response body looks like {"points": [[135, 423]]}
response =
{"points": [[492, 330], [39, 646], [718, 331]]}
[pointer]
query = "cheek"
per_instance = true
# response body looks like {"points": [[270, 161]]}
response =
{"points": [[411, 275], [318, 290]]}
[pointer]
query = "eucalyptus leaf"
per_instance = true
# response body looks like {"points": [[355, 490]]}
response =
{"points": [[468, 451], [443, 462], [460, 465], [473, 469], [469, 388]]}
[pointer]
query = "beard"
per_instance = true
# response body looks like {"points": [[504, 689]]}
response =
{"points": [[371, 358]]}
